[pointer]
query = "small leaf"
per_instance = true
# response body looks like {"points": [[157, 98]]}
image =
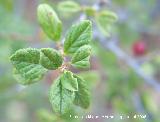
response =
{"points": [[49, 22], [27, 67], [60, 98], [81, 57], [78, 35], [108, 16], [82, 96], [69, 82], [50, 58], [69, 7], [105, 19], [89, 11]]}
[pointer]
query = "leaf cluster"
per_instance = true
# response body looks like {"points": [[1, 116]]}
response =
{"points": [[31, 64]]}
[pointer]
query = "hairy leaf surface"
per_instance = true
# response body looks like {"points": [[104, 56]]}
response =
{"points": [[60, 98], [26, 63], [50, 58], [82, 96], [69, 82], [77, 36], [81, 57], [49, 22]]}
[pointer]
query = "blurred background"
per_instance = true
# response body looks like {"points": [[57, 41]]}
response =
{"points": [[124, 77]]}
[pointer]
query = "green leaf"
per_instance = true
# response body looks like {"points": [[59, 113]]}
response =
{"points": [[49, 22], [60, 98], [89, 11], [81, 57], [26, 63], [50, 58], [69, 7], [82, 96], [77, 36], [69, 82], [109, 16], [104, 20]]}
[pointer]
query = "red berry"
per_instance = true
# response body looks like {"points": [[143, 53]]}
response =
{"points": [[139, 48]]}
